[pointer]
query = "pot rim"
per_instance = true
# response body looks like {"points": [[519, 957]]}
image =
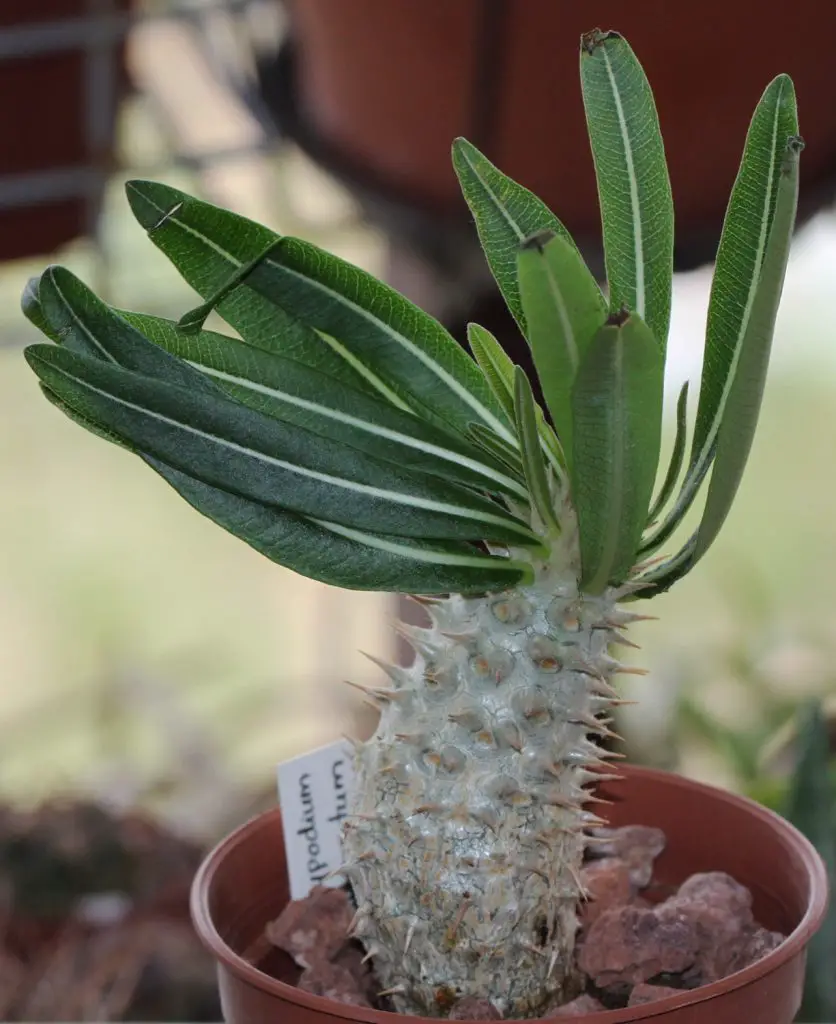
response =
{"points": [[790, 947]]}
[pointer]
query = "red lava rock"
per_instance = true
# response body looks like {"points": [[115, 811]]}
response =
{"points": [[629, 945], [474, 1008], [351, 958], [716, 887], [333, 981], [756, 944], [313, 928], [608, 883], [583, 1004], [643, 993], [718, 912], [703, 933], [636, 845]]}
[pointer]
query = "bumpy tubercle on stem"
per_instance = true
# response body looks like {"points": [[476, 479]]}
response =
{"points": [[469, 818]]}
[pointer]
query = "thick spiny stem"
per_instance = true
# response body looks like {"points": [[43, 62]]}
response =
{"points": [[467, 837]]}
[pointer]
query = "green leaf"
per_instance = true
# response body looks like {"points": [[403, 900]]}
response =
{"points": [[506, 214], [563, 309], [617, 408], [82, 421], [290, 391], [325, 551], [230, 446], [741, 253], [208, 246], [30, 305], [677, 455], [398, 349], [535, 469], [743, 402], [277, 386], [633, 183], [487, 440], [740, 259], [495, 363], [341, 557], [83, 324], [811, 807], [499, 370]]}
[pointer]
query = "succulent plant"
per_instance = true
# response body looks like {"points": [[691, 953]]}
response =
{"points": [[346, 435]]}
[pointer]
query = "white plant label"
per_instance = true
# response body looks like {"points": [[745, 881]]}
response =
{"points": [[314, 790]]}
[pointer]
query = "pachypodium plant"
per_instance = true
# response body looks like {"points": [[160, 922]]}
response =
{"points": [[346, 435]]}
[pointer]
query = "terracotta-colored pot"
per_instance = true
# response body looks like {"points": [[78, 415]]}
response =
{"points": [[382, 88], [242, 885], [62, 73]]}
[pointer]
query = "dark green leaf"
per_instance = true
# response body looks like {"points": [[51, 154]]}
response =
{"points": [[743, 402], [563, 309], [617, 408], [737, 274], [290, 391], [742, 251], [400, 351], [230, 446], [633, 183], [30, 304], [345, 558], [506, 214]]}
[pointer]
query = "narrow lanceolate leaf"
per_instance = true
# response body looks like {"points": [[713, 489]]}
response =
{"points": [[30, 305], [342, 557], [290, 391], [277, 386], [563, 310], [742, 405], [742, 251], [740, 259], [487, 440], [495, 363], [617, 408], [82, 421], [536, 474], [677, 454], [499, 370], [328, 552], [633, 183], [230, 446], [399, 350], [506, 214], [209, 246]]}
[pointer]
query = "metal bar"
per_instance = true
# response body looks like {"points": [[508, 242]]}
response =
{"points": [[47, 186], [36, 38]]}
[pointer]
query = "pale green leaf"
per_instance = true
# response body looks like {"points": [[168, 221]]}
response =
{"points": [[617, 408], [536, 474], [563, 310], [677, 455], [633, 183]]}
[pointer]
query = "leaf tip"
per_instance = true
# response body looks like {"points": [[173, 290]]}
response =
{"points": [[539, 240], [618, 317], [591, 41]]}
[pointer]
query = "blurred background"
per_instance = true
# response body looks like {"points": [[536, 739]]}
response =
{"points": [[153, 669]]}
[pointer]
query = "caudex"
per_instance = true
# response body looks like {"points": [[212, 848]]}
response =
{"points": [[346, 435]]}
